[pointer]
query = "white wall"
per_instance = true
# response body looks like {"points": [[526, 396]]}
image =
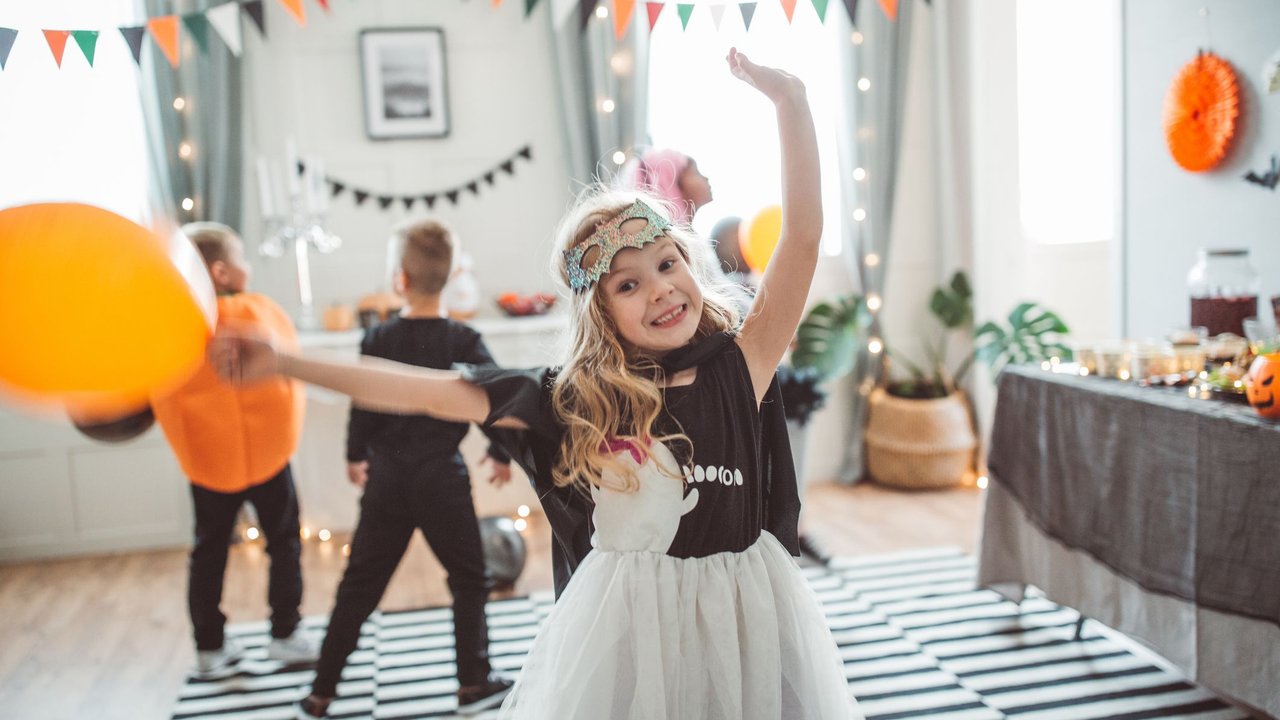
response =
{"points": [[1170, 213], [306, 83]]}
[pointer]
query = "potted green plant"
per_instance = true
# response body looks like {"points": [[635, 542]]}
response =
{"points": [[920, 430], [825, 348]]}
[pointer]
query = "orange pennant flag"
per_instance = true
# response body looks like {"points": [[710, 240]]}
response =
{"points": [[890, 8], [164, 30], [789, 7], [622, 11], [496, 3], [295, 8], [57, 40]]}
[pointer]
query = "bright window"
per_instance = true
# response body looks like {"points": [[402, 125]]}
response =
{"points": [[696, 107], [76, 133], [1068, 119]]}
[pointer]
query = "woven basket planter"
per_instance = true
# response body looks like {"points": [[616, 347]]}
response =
{"points": [[919, 444]]}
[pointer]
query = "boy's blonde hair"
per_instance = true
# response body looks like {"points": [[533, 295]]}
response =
{"points": [[212, 239], [426, 248], [607, 391]]}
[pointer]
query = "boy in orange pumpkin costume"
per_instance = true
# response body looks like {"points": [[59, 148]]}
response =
{"points": [[234, 444]]}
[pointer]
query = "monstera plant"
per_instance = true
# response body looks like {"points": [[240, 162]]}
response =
{"points": [[1033, 333], [829, 338]]}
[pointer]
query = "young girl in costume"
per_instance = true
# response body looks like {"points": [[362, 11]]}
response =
{"points": [[660, 455]]}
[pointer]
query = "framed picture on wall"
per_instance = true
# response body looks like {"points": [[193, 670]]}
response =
{"points": [[406, 94]]}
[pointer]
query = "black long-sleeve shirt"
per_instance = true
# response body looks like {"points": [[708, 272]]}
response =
{"points": [[411, 441]]}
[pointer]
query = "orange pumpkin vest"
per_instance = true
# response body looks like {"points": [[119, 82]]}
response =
{"points": [[228, 439]]}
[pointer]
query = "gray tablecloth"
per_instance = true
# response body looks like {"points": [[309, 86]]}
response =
{"points": [[1180, 495]]}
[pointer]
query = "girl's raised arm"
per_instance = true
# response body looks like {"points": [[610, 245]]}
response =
{"points": [[779, 304], [372, 383]]}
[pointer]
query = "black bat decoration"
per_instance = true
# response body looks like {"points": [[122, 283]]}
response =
{"points": [[1268, 179]]}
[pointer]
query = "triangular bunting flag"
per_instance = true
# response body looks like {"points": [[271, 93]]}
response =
{"points": [[254, 8], [198, 27], [474, 187], [655, 9], [337, 188], [225, 19], [430, 200], [133, 36], [821, 7], [528, 7], [7, 36], [295, 9], [717, 14], [57, 40], [496, 3], [361, 196], [685, 10], [526, 152], [852, 7], [890, 8], [453, 196], [748, 10], [408, 202], [488, 178], [384, 201], [585, 8], [88, 42], [789, 7], [509, 167], [324, 5], [164, 30], [622, 12]]}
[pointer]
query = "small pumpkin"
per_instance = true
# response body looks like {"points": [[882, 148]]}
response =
{"points": [[1262, 387]]}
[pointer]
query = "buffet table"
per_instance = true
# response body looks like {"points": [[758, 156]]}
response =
{"points": [[1152, 511]]}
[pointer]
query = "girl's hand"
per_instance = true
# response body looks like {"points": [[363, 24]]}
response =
{"points": [[358, 473], [775, 84], [241, 360]]}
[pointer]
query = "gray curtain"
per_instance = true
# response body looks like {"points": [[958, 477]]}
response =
{"points": [[591, 66], [210, 84], [872, 142]]}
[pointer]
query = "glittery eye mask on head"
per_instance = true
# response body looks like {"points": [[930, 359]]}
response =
{"points": [[590, 259]]}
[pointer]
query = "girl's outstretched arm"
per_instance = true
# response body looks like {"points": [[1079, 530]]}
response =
{"points": [[779, 304], [372, 383]]}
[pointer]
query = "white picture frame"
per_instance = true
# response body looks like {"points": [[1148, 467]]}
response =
{"points": [[406, 92]]}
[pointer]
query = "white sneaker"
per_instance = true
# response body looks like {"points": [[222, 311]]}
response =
{"points": [[297, 648], [220, 663]]}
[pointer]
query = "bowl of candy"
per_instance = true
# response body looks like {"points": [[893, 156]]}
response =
{"points": [[517, 305]]}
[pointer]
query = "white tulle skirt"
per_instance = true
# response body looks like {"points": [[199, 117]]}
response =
{"points": [[643, 635]]}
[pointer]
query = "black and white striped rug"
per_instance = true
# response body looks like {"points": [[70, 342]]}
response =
{"points": [[918, 642]]}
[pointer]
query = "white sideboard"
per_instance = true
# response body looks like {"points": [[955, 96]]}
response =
{"points": [[64, 494]]}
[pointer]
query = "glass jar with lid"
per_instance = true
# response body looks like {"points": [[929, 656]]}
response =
{"points": [[1224, 291]]}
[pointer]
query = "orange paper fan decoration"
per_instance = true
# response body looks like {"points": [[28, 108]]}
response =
{"points": [[1200, 112]]}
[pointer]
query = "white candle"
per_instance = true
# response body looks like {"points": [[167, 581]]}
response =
{"points": [[319, 201], [291, 167], [264, 189]]}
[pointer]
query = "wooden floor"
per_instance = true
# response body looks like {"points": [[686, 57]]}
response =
{"points": [[108, 637]]}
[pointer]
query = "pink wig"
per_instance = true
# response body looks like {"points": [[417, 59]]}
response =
{"points": [[658, 172]]}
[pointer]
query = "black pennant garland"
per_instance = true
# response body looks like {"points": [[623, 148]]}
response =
{"points": [[1267, 178], [488, 178]]}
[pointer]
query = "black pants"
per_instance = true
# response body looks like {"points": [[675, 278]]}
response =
{"points": [[395, 503], [276, 503]]}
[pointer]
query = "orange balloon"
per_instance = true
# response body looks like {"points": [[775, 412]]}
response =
{"points": [[759, 237], [96, 311]]}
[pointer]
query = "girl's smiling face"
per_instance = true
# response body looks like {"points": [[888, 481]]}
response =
{"points": [[653, 297]]}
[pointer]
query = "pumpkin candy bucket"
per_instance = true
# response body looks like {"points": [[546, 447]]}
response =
{"points": [[1262, 386]]}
